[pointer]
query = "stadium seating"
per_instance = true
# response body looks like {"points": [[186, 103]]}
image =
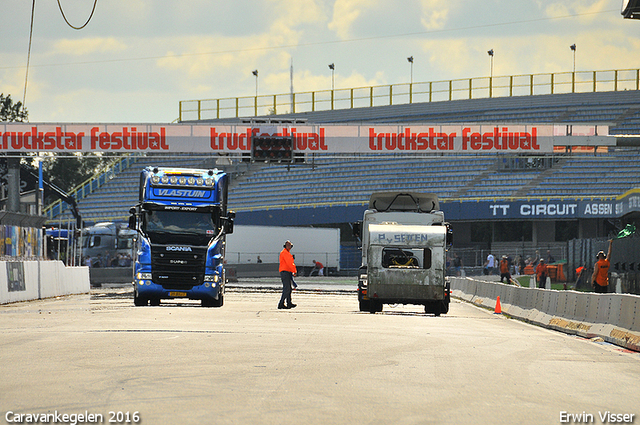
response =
{"points": [[345, 180]]}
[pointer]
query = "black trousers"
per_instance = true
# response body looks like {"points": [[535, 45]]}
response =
{"points": [[285, 299], [601, 289]]}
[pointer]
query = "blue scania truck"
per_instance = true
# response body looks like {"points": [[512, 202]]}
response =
{"points": [[182, 220]]}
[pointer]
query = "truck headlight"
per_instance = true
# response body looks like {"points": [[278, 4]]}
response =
{"points": [[212, 278], [143, 276]]}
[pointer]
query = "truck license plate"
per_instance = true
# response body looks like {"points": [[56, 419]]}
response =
{"points": [[177, 294]]}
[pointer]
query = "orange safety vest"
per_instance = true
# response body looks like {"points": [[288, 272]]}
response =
{"points": [[286, 262], [504, 266], [602, 274], [541, 269]]}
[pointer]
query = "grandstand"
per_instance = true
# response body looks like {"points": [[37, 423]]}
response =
{"points": [[334, 189], [348, 179]]}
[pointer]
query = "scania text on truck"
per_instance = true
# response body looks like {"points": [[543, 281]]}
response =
{"points": [[404, 243], [182, 220]]}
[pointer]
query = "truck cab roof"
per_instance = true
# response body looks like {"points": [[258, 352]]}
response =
{"points": [[404, 201]]}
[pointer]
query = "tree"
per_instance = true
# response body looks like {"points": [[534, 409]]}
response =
{"points": [[10, 111], [67, 172]]}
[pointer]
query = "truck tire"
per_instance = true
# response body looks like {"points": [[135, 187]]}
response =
{"points": [[445, 307], [219, 302], [154, 301], [434, 308], [139, 301], [211, 302], [375, 306], [364, 305]]}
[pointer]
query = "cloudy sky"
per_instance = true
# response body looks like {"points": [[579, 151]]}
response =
{"points": [[136, 59]]}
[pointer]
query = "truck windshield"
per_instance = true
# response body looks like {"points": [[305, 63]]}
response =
{"points": [[179, 227], [406, 258]]}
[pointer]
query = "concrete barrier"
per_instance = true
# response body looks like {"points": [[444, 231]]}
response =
{"points": [[32, 280], [613, 317]]}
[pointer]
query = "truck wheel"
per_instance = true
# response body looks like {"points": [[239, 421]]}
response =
{"points": [[445, 307], [375, 306], [139, 301], [211, 302], [154, 301], [219, 302], [434, 308], [364, 305]]}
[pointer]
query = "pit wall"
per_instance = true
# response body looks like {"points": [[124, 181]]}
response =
{"points": [[32, 280], [613, 317]]}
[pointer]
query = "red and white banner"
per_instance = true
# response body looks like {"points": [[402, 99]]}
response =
{"points": [[234, 138]]}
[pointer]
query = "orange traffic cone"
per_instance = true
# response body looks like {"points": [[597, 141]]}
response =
{"points": [[498, 309]]}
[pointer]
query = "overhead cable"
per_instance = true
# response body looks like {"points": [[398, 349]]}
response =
{"points": [[67, 21]]}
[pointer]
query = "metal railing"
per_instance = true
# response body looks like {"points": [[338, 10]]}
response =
{"points": [[406, 93], [90, 185]]}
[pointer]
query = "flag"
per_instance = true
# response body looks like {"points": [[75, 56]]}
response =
{"points": [[629, 230]]}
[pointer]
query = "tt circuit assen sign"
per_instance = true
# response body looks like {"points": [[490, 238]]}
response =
{"points": [[542, 209], [198, 138]]}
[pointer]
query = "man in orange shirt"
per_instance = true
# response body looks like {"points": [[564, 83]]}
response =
{"points": [[287, 271], [504, 269], [541, 273], [600, 276]]}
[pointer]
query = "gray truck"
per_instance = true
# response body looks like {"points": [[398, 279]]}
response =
{"points": [[404, 243]]}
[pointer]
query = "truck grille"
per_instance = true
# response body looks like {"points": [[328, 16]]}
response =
{"points": [[178, 269]]}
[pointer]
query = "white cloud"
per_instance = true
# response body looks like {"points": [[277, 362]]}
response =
{"points": [[85, 46], [435, 13], [345, 13], [296, 12], [588, 9]]}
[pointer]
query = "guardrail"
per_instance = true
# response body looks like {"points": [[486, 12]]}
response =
{"points": [[406, 93], [612, 317], [90, 185]]}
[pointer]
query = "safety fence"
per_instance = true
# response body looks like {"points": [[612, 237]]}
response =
{"points": [[407, 93], [612, 317], [32, 280], [90, 185]]}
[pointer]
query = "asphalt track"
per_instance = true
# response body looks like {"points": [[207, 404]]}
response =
{"points": [[323, 362]]}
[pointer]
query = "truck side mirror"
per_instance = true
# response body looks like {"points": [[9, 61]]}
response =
{"points": [[228, 222], [357, 229], [132, 222]]}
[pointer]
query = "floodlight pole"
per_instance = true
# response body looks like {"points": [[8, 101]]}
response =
{"points": [[490, 52], [573, 75], [410, 59], [332, 67]]}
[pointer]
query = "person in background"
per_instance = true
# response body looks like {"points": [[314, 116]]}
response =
{"points": [[600, 278], [490, 264], [541, 273], [550, 259], [504, 269], [319, 267], [518, 265], [457, 264], [287, 271]]}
